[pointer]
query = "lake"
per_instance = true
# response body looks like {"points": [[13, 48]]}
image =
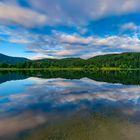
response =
{"points": [[69, 105]]}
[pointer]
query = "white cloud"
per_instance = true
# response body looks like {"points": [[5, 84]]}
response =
{"points": [[66, 38], [129, 27], [10, 13], [60, 45], [77, 12], [68, 12]]}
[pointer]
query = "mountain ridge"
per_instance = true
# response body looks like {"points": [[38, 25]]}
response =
{"points": [[128, 60], [12, 60]]}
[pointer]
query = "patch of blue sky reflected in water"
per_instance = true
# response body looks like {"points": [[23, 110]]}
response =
{"points": [[35, 101], [61, 93]]}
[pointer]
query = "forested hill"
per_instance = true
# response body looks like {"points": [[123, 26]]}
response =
{"points": [[11, 60], [123, 60]]}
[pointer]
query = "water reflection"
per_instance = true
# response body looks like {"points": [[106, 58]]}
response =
{"points": [[123, 77], [28, 102]]}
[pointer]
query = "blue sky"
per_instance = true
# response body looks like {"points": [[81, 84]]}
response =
{"points": [[68, 28]]}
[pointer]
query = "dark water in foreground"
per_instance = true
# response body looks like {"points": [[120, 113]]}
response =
{"points": [[58, 105]]}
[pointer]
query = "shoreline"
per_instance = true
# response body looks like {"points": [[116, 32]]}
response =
{"points": [[71, 69]]}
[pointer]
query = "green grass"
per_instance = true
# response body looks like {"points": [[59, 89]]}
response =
{"points": [[55, 69], [68, 69]]}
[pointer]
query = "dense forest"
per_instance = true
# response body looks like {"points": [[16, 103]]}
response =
{"points": [[123, 60]]}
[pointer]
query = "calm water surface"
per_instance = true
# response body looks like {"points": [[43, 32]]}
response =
{"points": [[69, 105]]}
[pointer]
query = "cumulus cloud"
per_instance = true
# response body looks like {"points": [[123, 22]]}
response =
{"points": [[69, 12], [11, 13], [129, 27], [77, 12], [77, 46], [60, 44], [19, 36]]}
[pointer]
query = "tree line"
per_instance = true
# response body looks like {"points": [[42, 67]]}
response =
{"points": [[124, 60]]}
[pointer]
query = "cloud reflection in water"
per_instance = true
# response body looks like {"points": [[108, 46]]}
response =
{"points": [[47, 99]]}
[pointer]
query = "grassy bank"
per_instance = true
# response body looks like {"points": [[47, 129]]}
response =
{"points": [[68, 69], [34, 69]]}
